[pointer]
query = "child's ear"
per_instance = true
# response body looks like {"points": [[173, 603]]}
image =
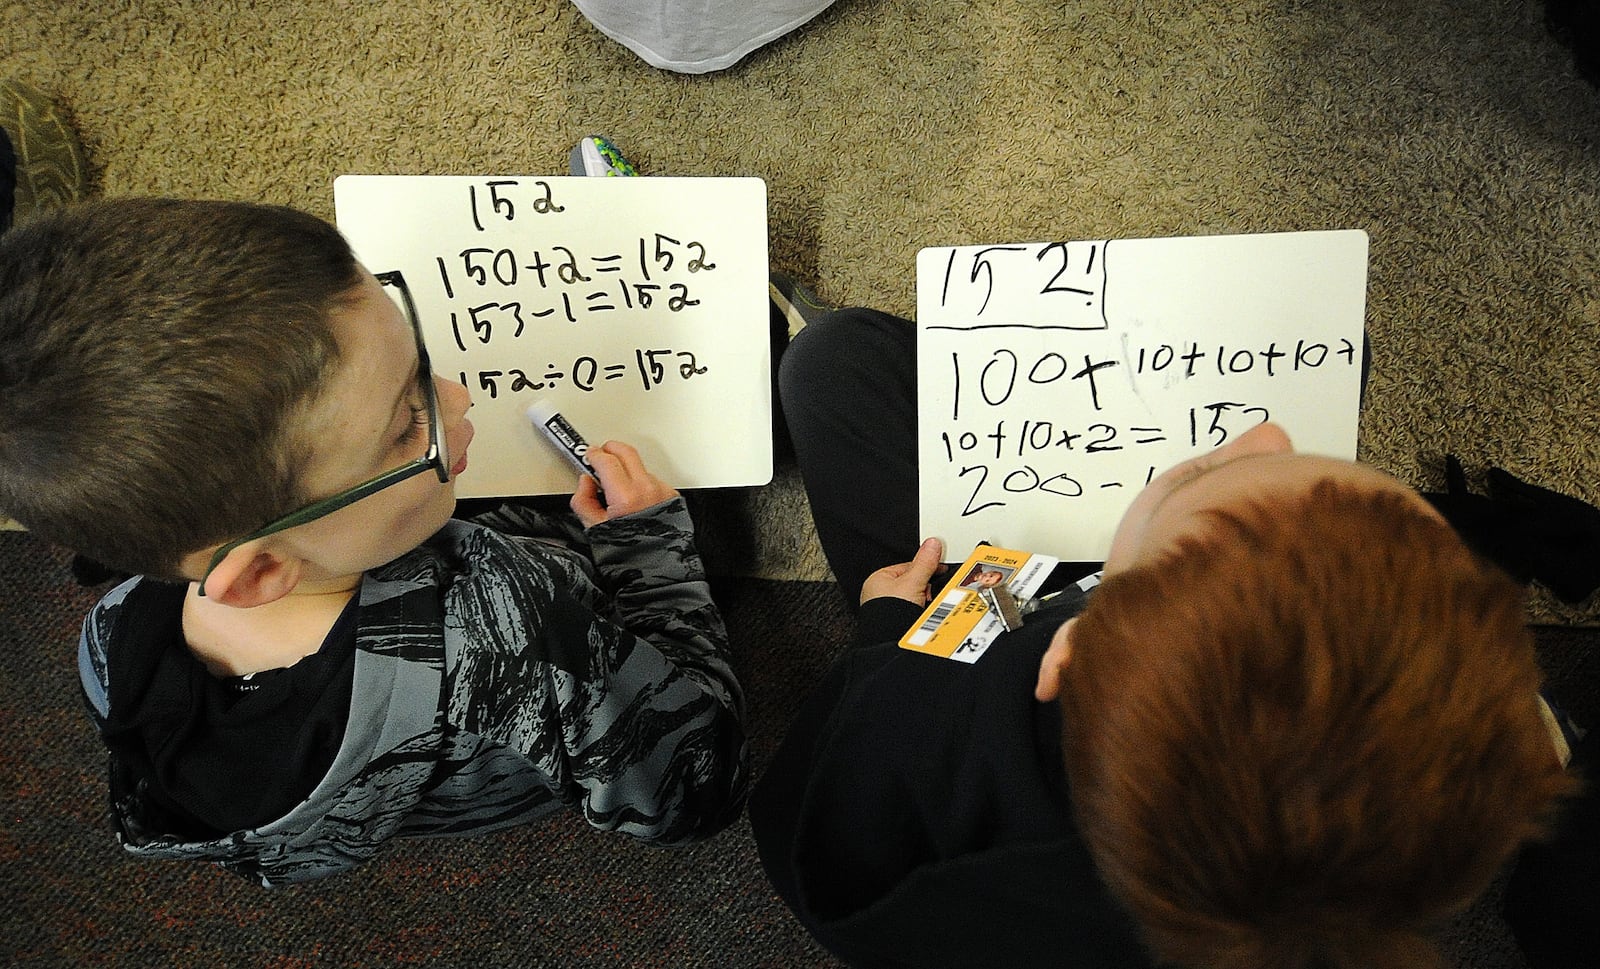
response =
{"points": [[253, 575], [1054, 664]]}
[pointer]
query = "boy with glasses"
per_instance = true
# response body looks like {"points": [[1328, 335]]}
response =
{"points": [[314, 657]]}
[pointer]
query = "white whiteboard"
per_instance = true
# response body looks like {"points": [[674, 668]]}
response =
{"points": [[636, 306], [1055, 379]]}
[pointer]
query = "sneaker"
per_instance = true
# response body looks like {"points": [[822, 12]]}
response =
{"points": [[44, 157], [595, 155], [798, 304]]}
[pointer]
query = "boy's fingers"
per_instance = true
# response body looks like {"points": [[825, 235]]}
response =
{"points": [[627, 484], [620, 457], [586, 488], [599, 457], [623, 451], [928, 558], [586, 503], [615, 462], [615, 474]]}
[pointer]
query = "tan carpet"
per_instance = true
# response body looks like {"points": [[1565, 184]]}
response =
{"points": [[1457, 133]]}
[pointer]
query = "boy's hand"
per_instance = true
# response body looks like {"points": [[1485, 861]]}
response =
{"points": [[628, 485], [908, 580]]}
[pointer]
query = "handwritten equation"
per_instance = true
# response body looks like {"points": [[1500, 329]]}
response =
{"points": [[651, 367], [637, 306], [1056, 380], [995, 379], [560, 281], [1001, 461]]}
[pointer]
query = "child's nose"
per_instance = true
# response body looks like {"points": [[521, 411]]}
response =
{"points": [[454, 397]]}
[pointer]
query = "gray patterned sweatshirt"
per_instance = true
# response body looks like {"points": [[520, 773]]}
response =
{"points": [[498, 678]]}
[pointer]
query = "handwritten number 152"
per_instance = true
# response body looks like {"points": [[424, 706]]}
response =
{"points": [[498, 201], [983, 268]]}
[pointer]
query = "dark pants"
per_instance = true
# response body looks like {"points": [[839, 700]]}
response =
{"points": [[848, 384], [1553, 898]]}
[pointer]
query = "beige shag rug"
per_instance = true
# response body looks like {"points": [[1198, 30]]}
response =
{"points": [[1458, 134]]}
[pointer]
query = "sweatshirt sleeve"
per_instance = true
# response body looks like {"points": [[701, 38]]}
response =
{"points": [[625, 702], [885, 619], [93, 663], [649, 565]]}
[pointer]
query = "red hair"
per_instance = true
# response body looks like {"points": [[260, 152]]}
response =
{"points": [[1305, 737]]}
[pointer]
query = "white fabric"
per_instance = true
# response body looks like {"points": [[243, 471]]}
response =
{"points": [[696, 36]]}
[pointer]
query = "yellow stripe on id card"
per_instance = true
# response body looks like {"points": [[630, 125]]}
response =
{"points": [[957, 624]]}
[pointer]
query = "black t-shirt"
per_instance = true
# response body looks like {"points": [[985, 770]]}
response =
{"points": [[202, 755], [917, 815]]}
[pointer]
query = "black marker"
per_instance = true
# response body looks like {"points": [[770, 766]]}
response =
{"points": [[561, 435]]}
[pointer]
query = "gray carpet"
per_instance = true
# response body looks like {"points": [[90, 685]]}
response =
{"points": [[550, 895]]}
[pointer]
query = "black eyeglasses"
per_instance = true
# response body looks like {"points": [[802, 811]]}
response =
{"points": [[437, 456]]}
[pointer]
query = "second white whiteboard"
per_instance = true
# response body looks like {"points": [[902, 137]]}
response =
{"points": [[1056, 379]]}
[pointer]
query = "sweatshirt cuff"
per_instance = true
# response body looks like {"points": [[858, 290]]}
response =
{"points": [[885, 619]]}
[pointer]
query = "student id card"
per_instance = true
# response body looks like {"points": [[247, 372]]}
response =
{"points": [[958, 624]]}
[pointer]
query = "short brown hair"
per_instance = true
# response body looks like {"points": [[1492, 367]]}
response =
{"points": [[1306, 736], [153, 356]]}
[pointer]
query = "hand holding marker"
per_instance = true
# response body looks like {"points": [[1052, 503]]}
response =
{"points": [[629, 485]]}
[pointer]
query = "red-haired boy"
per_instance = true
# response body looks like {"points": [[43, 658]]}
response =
{"points": [[1296, 724]]}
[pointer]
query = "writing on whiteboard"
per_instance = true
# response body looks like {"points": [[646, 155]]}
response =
{"points": [[1002, 457], [1057, 285], [569, 286], [561, 283]]}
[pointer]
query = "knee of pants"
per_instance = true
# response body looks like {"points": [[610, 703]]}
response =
{"points": [[845, 346]]}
